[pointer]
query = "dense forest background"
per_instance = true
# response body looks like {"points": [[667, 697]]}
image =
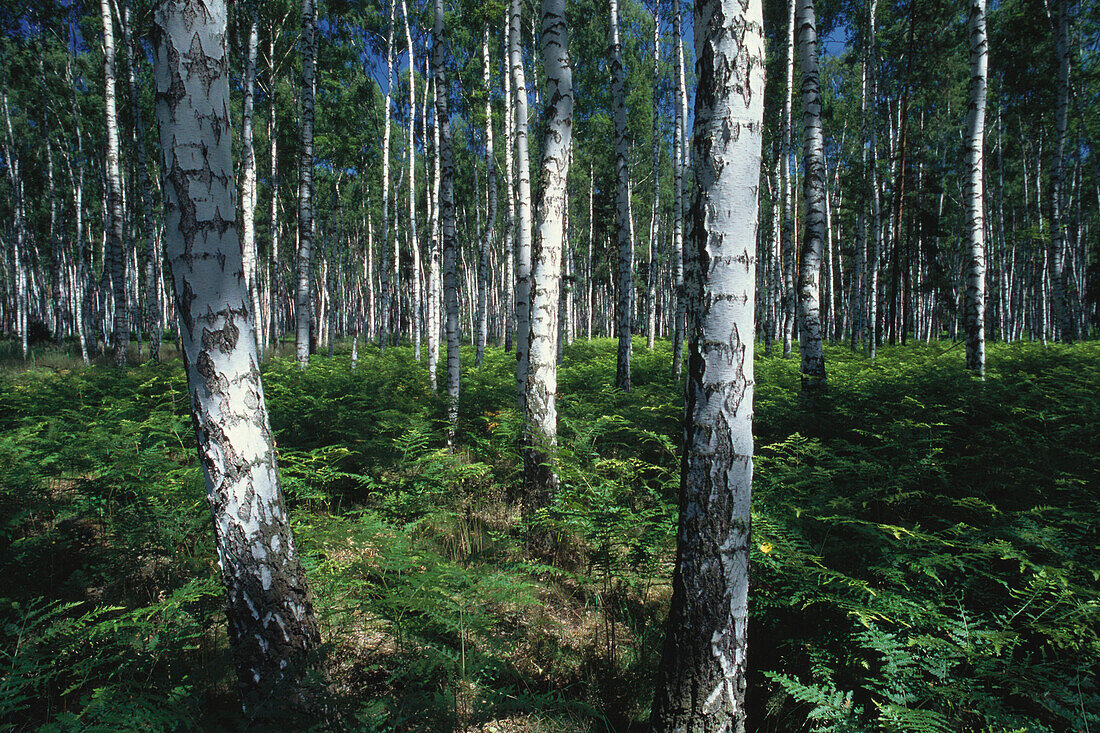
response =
{"points": [[924, 543]]}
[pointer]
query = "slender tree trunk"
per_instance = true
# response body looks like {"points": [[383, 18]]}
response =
{"points": [[114, 192], [414, 245], [491, 219], [447, 220], [787, 188], [540, 475], [589, 284], [679, 147], [871, 281], [703, 672], [1063, 316], [523, 201], [975, 185], [813, 162], [278, 282], [269, 606], [303, 301], [622, 206], [248, 182], [510, 287], [434, 259], [22, 316], [389, 284], [654, 221]]}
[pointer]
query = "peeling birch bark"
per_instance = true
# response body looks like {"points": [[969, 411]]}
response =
{"points": [[268, 603]]}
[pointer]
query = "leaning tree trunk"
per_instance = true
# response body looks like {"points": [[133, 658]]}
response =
{"points": [[622, 206], [447, 220], [1062, 312], [248, 184], [523, 199], [491, 219], [269, 606], [302, 298], [541, 425], [813, 187], [113, 224], [974, 190], [678, 165], [702, 676]]}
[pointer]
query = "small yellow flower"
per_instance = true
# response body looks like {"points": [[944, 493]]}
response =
{"points": [[766, 548]]}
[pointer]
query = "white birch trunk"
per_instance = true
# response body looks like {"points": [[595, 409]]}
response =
{"points": [[541, 423], [509, 299], [703, 673], [1063, 319], [813, 163], [387, 266], [523, 200], [679, 147], [248, 185], [787, 191], [447, 221], [974, 191], [303, 301], [625, 239], [654, 221], [414, 245], [269, 606], [491, 219], [113, 225]]}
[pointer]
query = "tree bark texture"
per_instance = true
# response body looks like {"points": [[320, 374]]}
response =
{"points": [[269, 607], [447, 220], [303, 301], [523, 199], [975, 191], [813, 187], [702, 676], [625, 303], [114, 225], [541, 424]]}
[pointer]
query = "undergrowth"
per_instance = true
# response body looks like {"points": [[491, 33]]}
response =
{"points": [[925, 546]]}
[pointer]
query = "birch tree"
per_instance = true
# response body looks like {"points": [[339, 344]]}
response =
{"points": [[786, 242], [114, 224], [975, 185], [491, 218], [702, 675], [813, 163], [523, 198], [1058, 10], [303, 301], [540, 475], [414, 245], [151, 315], [679, 145], [268, 603], [248, 178], [625, 303], [386, 275], [447, 220], [654, 220]]}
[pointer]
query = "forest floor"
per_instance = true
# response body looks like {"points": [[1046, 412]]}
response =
{"points": [[926, 552]]}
